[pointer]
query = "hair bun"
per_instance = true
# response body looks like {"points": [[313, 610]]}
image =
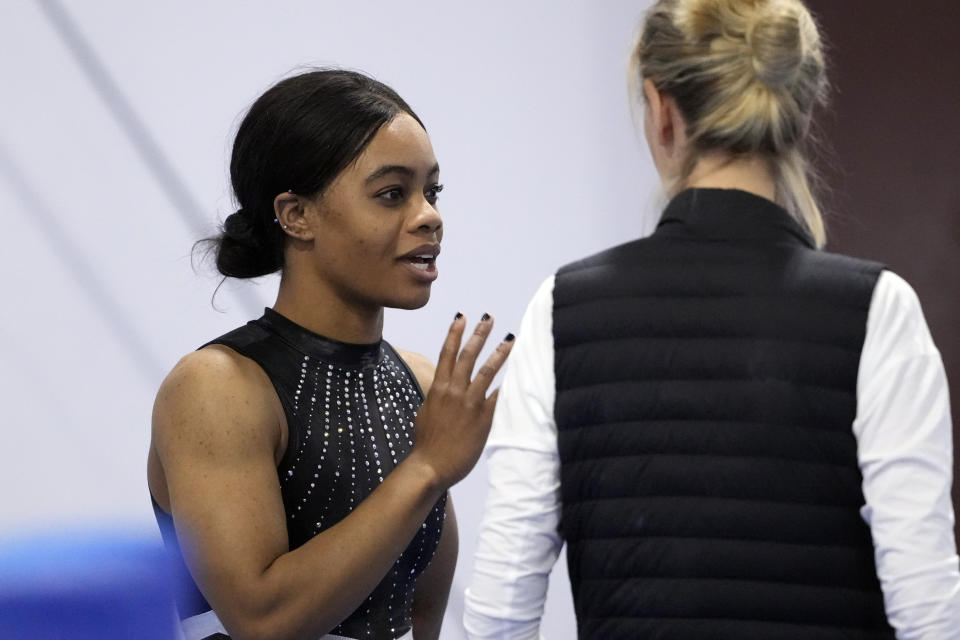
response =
{"points": [[245, 252], [238, 226], [779, 42]]}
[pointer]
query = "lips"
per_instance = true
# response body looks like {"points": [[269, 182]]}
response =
{"points": [[422, 266], [423, 261]]}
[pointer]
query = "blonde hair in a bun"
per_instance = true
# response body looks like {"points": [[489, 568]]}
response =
{"points": [[746, 75]]}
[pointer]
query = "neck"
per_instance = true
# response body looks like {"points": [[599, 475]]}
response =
{"points": [[317, 307], [722, 171]]}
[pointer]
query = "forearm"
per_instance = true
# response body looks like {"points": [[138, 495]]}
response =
{"points": [[516, 549], [916, 557], [306, 592], [909, 509]]}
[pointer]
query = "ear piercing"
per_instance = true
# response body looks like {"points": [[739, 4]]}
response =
{"points": [[277, 220]]}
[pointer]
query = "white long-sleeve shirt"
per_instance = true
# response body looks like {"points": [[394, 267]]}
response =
{"points": [[904, 449]]}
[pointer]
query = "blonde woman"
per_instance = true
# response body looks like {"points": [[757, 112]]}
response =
{"points": [[736, 434]]}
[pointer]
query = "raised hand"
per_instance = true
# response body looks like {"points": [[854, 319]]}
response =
{"points": [[454, 421]]}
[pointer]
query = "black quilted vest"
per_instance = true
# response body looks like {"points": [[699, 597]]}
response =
{"points": [[706, 387]]}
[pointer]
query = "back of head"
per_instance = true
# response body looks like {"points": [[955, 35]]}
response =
{"points": [[746, 75], [297, 137]]}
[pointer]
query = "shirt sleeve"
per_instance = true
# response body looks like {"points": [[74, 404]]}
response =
{"points": [[905, 451], [518, 542]]}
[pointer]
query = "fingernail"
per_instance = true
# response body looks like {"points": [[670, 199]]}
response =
{"points": [[509, 337], [485, 317], [458, 316]]}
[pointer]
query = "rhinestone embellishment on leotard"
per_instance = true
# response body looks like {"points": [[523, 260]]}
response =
{"points": [[353, 426]]}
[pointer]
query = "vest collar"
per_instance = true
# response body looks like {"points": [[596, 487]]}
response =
{"points": [[730, 214]]}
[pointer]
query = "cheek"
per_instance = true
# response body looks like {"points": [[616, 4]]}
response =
{"points": [[373, 247]]}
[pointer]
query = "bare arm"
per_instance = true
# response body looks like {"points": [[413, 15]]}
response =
{"points": [[216, 435]]}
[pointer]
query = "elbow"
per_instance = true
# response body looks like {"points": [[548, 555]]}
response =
{"points": [[244, 624], [265, 617], [250, 627], [271, 607], [247, 630], [259, 617]]}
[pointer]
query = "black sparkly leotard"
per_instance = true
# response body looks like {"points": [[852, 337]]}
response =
{"points": [[350, 413]]}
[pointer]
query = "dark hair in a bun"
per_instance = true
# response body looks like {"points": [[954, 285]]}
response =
{"points": [[246, 249], [298, 136]]}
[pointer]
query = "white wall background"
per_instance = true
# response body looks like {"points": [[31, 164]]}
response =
{"points": [[117, 121]]}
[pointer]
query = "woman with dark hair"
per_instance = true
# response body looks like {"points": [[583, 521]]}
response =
{"points": [[736, 434], [297, 479]]}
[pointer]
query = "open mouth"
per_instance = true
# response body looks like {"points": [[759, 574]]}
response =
{"points": [[422, 262]]}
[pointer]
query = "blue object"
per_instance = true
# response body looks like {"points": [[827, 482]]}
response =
{"points": [[103, 586]]}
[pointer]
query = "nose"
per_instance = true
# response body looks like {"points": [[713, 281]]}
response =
{"points": [[427, 218]]}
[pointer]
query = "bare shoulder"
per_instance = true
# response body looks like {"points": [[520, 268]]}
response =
{"points": [[208, 376], [210, 395], [421, 367]]}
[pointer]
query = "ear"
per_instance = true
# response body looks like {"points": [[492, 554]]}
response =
{"points": [[290, 212], [661, 109]]}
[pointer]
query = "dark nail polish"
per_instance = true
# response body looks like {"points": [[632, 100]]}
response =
{"points": [[485, 317], [458, 316], [509, 337]]}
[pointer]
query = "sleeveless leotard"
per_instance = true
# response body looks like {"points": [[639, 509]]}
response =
{"points": [[351, 412]]}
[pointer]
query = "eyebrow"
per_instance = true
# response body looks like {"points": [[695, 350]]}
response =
{"points": [[398, 168]]}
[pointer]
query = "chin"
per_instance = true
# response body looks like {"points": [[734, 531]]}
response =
{"points": [[411, 301]]}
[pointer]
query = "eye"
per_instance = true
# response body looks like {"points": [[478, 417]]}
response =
{"points": [[433, 193], [391, 196]]}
